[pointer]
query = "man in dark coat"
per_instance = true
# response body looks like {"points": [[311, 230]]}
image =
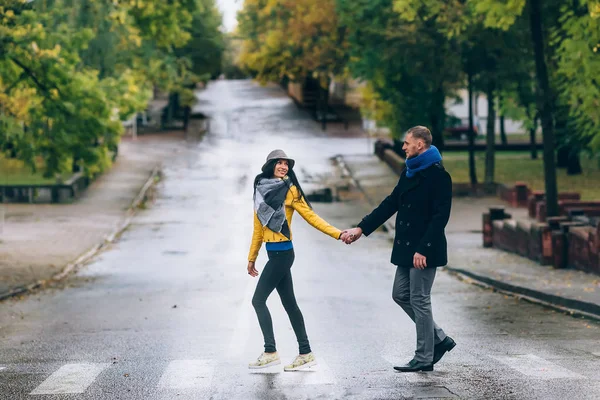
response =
{"points": [[422, 200]]}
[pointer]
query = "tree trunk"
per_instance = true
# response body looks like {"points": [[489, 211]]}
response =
{"points": [[532, 140], [562, 156], [491, 135], [437, 116], [503, 131], [472, 171], [544, 106], [170, 114], [186, 117], [561, 136], [502, 126], [325, 105], [176, 106], [324, 83], [323, 108], [573, 162]]}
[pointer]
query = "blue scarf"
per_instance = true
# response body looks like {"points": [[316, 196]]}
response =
{"points": [[422, 161]]}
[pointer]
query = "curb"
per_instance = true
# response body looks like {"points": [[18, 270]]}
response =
{"points": [[571, 306], [88, 255]]}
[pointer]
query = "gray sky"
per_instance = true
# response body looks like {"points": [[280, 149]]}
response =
{"points": [[229, 9]]}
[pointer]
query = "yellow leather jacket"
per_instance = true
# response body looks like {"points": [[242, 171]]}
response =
{"points": [[263, 234]]}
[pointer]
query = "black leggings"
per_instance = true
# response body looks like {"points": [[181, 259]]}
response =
{"points": [[278, 275]]}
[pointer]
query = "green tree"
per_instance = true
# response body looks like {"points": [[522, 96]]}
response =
{"points": [[475, 48], [207, 43], [70, 70], [576, 42], [65, 111], [401, 60], [231, 57], [503, 15], [460, 19], [291, 38]]}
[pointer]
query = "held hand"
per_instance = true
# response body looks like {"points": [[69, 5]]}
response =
{"points": [[351, 235], [419, 261], [252, 269], [344, 236]]}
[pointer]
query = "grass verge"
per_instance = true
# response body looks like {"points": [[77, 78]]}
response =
{"points": [[15, 172]]}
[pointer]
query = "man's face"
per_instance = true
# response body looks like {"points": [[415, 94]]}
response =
{"points": [[412, 147]]}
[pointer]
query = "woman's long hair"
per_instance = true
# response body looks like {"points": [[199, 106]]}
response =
{"points": [[270, 171]]}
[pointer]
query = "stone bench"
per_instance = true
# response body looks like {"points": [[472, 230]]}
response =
{"points": [[536, 204], [62, 192], [516, 195], [590, 208], [581, 253]]}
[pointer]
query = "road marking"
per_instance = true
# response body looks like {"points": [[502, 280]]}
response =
{"points": [[319, 374], [597, 354], [187, 374], [1, 368], [537, 367], [70, 379]]}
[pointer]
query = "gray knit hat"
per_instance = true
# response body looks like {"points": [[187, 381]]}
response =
{"points": [[278, 155]]}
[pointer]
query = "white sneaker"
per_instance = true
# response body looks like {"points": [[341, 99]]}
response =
{"points": [[265, 360], [301, 362]]}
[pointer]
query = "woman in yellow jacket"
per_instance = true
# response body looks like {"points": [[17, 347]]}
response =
{"points": [[277, 194]]}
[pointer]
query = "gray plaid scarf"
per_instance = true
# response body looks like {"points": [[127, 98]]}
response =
{"points": [[269, 199]]}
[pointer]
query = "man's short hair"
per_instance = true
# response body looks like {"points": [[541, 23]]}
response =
{"points": [[421, 132]]}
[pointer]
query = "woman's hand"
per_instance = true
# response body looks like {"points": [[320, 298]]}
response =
{"points": [[351, 235], [252, 269]]}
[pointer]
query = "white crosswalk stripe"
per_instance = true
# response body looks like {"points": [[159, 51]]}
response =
{"points": [[70, 379], [537, 367], [187, 374], [199, 374]]}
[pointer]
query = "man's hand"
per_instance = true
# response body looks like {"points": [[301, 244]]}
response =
{"points": [[344, 236], [252, 269], [419, 261], [351, 235]]}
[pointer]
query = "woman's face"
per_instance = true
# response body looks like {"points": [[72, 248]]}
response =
{"points": [[281, 168]]}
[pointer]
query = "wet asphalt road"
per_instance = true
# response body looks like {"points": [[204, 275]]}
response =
{"points": [[165, 313]]}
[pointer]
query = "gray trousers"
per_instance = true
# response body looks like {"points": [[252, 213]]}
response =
{"points": [[412, 292]]}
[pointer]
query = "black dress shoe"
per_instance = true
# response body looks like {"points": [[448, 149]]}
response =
{"points": [[442, 347], [414, 366]]}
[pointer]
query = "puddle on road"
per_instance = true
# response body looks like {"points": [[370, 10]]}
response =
{"points": [[157, 223], [174, 253], [204, 178], [18, 216], [430, 392], [420, 391]]}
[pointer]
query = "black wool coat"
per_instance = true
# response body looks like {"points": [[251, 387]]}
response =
{"points": [[423, 205]]}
